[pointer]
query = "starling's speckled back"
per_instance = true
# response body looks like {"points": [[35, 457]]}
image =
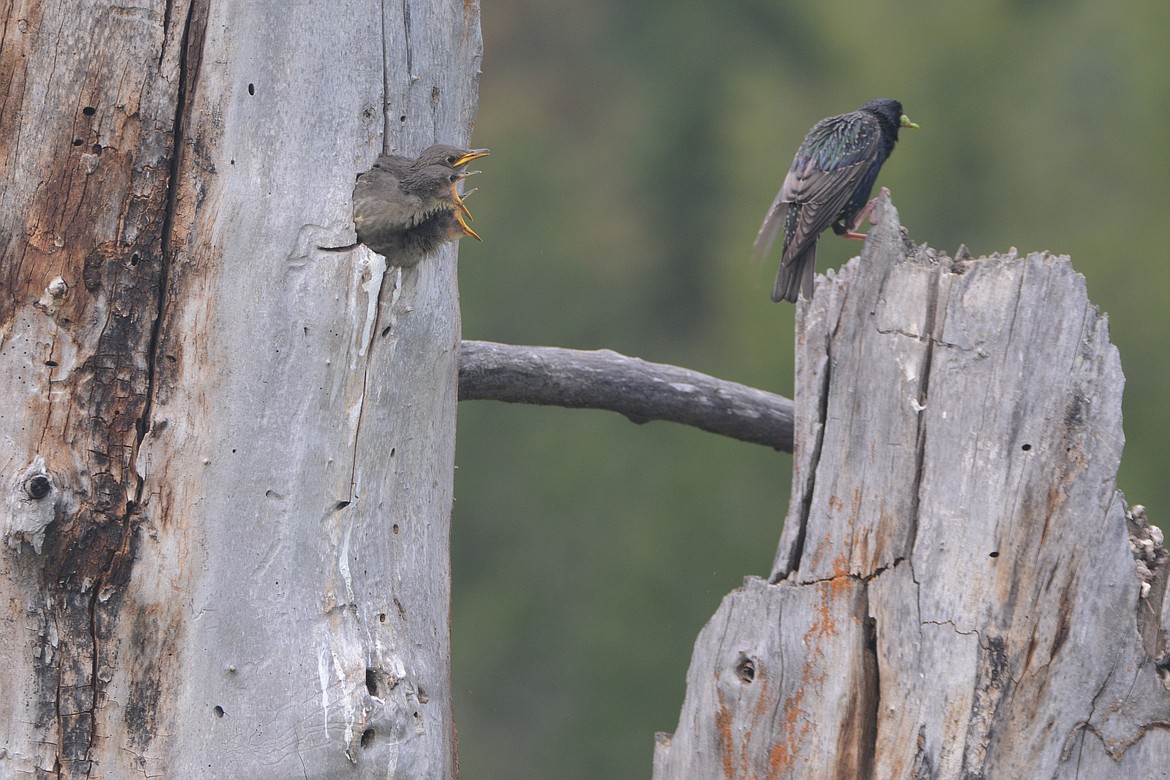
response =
{"points": [[828, 185]]}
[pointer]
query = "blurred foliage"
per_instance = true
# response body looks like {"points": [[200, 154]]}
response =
{"points": [[635, 148]]}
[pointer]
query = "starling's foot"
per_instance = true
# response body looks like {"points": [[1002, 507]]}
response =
{"points": [[862, 216]]}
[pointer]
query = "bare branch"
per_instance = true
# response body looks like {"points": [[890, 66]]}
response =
{"points": [[637, 389]]}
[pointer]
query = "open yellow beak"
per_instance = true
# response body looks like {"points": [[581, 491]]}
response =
{"points": [[907, 123], [455, 196], [466, 229]]}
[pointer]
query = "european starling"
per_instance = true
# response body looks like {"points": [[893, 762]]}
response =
{"points": [[395, 203], [452, 157], [828, 185]]}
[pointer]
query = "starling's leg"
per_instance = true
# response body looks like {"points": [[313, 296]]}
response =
{"points": [[862, 216]]}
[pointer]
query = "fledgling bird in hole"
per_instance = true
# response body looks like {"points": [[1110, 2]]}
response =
{"points": [[828, 185], [408, 171], [405, 209]]}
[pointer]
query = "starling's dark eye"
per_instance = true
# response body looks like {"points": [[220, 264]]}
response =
{"points": [[452, 159]]}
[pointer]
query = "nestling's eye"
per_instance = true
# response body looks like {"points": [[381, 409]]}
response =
{"points": [[452, 159]]}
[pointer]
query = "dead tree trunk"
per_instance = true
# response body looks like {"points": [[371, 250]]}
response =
{"points": [[228, 457], [955, 593]]}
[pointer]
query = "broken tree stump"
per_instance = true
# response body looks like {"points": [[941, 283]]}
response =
{"points": [[955, 591]]}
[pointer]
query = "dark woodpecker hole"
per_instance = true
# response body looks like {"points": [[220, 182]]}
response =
{"points": [[51, 363], [745, 670], [993, 554], [37, 487], [251, 89], [367, 738], [394, 528], [218, 710], [77, 142], [381, 617], [89, 110], [372, 682], [1026, 447]]}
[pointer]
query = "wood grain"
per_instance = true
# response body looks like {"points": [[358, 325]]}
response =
{"points": [[240, 568]]}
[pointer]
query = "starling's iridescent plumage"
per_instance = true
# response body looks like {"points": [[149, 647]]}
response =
{"points": [[828, 185]]}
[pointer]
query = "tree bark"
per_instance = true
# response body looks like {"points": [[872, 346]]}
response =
{"points": [[955, 592], [229, 456]]}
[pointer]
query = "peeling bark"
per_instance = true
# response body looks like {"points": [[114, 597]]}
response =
{"points": [[955, 592], [230, 458]]}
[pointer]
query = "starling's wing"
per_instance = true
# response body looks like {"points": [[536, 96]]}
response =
{"points": [[830, 164], [381, 210]]}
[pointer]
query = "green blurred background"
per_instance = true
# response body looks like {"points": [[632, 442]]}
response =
{"points": [[635, 149]]}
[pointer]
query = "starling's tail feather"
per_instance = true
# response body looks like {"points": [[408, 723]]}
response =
{"points": [[795, 278]]}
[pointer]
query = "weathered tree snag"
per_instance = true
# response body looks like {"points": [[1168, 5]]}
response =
{"points": [[228, 457], [955, 593], [638, 389]]}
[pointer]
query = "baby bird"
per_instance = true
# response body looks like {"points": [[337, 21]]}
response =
{"points": [[405, 209]]}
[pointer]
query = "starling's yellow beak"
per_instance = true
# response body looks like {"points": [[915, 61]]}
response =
{"points": [[466, 229], [458, 199], [469, 155], [907, 123]]}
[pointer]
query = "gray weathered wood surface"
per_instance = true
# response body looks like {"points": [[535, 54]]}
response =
{"points": [[228, 457], [955, 592], [640, 390]]}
